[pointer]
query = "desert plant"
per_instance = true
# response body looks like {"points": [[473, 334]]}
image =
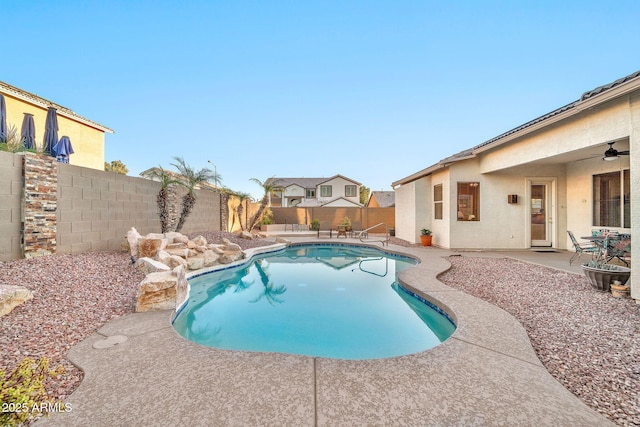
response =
{"points": [[268, 186], [22, 392], [425, 232], [189, 179], [162, 199], [315, 224], [242, 199], [346, 222]]}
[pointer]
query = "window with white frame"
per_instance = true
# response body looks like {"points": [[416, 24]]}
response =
{"points": [[437, 201], [350, 190], [311, 193], [612, 199], [468, 201], [326, 191]]}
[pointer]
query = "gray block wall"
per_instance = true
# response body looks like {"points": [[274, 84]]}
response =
{"points": [[95, 209], [10, 206]]}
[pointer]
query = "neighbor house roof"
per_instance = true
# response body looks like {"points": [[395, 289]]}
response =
{"points": [[587, 100], [385, 199], [305, 182], [311, 203], [41, 102]]}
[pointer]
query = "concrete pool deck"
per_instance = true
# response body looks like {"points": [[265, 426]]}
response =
{"points": [[138, 370]]}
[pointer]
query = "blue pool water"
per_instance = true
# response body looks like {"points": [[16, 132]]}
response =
{"points": [[334, 301]]}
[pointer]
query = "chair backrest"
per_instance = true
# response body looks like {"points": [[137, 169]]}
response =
{"points": [[573, 238], [618, 245], [599, 232]]}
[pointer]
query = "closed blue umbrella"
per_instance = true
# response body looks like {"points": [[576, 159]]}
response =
{"points": [[63, 149], [50, 132], [28, 132], [3, 119]]}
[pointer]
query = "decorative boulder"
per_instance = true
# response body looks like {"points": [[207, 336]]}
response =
{"points": [[175, 261], [171, 236], [180, 238], [157, 292], [148, 248], [132, 238], [246, 235], [148, 265], [230, 257], [12, 296], [182, 286], [195, 263], [200, 241]]}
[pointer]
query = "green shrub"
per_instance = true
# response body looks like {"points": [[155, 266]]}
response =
{"points": [[315, 225], [22, 392]]}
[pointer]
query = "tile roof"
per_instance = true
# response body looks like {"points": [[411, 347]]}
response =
{"points": [[471, 151], [587, 95]]}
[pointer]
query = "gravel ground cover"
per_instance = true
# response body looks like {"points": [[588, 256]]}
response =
{"points": [[589, 341]]}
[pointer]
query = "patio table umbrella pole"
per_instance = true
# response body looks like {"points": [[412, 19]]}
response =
{"points": [[3, 119], [28, 132], [50, 132]]}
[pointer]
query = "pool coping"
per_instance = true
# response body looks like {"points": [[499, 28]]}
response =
{"points": [[485, 373]]}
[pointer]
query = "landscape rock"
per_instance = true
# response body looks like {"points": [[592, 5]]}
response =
{"points": [[199, 241], [171, 236], [132, 237], [195, 263], [184, 253], [149, 265], [180, 238], [148, 248], [175, 261], [12, 296], [182, 286], [246, 235], [157, 292], [230, 257]]}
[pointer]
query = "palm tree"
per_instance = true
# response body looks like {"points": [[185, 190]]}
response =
{"points": [[163, 198], [190, 178], [242, 198], [268, 186]]}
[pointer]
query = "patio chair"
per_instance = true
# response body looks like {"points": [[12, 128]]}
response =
{"points": [[356, 228], [581, 247], [618, 246]]}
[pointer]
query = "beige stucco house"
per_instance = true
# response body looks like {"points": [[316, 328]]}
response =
{"points": [[87, 136], [525, 188], [336, 191]]}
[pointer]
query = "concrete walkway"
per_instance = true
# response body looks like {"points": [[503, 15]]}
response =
{"points": [[139, 371]]}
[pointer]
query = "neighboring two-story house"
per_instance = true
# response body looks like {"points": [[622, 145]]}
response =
{"points": [[86, 136], [336, 191]]}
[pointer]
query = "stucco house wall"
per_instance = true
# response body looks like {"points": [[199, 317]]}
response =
{"points": [[87, 137], [563, 149], [338, 189]]}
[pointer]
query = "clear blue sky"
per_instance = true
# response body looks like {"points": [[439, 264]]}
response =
{"points": [[368, 89]]}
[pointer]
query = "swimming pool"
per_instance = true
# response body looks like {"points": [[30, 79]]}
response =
{"points": [[336, 301]]}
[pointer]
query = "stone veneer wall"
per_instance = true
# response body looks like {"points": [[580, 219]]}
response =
{"points": [[10, 206], [40, 205]]}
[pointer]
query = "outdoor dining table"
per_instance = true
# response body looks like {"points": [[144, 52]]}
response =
{"points": [[600, 242]]}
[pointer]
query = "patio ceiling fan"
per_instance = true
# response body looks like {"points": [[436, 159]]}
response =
{"points": [[612, 153]]}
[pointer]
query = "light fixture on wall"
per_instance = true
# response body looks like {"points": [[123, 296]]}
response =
{"points": [[612, 153]]}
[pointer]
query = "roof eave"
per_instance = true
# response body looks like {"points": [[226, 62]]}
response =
{"points": [[578, 107]]}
